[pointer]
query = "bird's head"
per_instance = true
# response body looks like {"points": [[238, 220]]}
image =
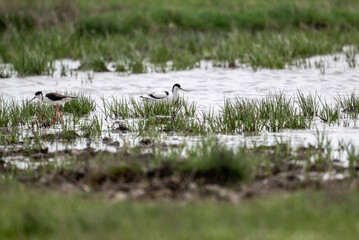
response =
{"points": [[38, 95], [176, 88]]}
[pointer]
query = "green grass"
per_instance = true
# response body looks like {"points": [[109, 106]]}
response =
{"points": [[134, 33], [207, 161], [80, 106], [31, 62], [215, 162], [35, 113], [349, 103], [124, 108], [29, 214], [92, 128], [273, 113], [97, 65]]}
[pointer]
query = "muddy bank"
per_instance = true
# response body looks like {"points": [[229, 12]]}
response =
{"points": [[143, 176]]}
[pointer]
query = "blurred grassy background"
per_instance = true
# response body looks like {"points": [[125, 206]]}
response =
{"points": [[258, 33], [29, 214]]}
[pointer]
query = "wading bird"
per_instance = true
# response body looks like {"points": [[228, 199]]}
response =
{"points": [[53, 99], [164, 95]]}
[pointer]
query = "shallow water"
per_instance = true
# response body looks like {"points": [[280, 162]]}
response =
{"points": [[328, 76]]}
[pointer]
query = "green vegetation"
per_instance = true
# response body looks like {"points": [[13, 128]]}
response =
{"points": [[80, 106], [21, 121], [123, 108], [349, 104], [97, 65], [139, 36], [43, 214], [133, 33], [273, 113], [30, 214], [16, 114]]}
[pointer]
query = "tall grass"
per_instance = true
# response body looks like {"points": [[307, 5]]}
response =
{"points": [[256, 33], [123, 108], [80, 106], [349, 103], [29, 62], [213, 161], [14, 114], [273, 113]]}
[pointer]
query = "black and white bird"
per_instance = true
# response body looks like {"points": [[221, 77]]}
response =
{"points": [[54, 99], [164, 95]]}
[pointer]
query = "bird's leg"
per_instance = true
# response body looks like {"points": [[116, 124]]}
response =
{"points": [[54, 118], [60, 115]]}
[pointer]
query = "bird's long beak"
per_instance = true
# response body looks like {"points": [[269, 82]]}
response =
{"points": [[184, 90], [31, 100]]}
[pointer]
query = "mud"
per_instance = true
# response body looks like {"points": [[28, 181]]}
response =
{"points": [[126, 176]]}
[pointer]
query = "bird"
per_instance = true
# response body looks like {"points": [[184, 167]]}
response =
{"points": [[54, 99], [164, 95]]}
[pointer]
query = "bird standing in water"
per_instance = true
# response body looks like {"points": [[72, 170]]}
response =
{"points": [[54, 99], [164, 95]]}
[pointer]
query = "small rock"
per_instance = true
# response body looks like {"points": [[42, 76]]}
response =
{"points": [[120, 196], [119, 126], [137, 193], [192, 186], [146, 141], [115, 144]]}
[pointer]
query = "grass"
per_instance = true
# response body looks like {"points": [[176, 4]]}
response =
{"points": [[26, 114], [29, 62], [123, 108], [92, 128], [307, 104], [20, 121], [273, 113], [97, 65], [349, 103], [43, 214], [207, 161], [133, 33], [213, 161], [30, 214], [80, 106]]}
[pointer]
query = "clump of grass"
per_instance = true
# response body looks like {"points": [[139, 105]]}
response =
{"points": [[64, 70], [137, 66], [119, 108], [28, 62], [9, 136], [215, 162], [353, 158], [41, 115], [350, 53], [308, 104], [16, 114], [120, 67], [95, 64], [68, 134], [122, 108], [91, 129], [273, 113], [349, 104], [146, 109], [80, 106], [327, 113]]}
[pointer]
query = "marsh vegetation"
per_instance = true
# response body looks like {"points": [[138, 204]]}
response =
{"points": [[122, 167], [131, 34]]}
